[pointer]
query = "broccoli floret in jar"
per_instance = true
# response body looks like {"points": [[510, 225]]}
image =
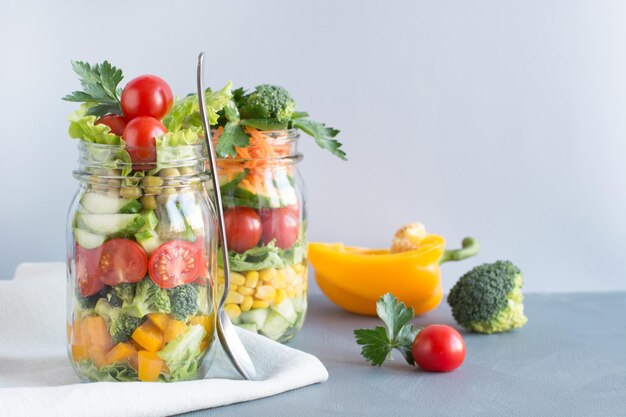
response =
{"points": [[184, 301], [488, 298], [121, 326], [268, 101], [149, 298]]}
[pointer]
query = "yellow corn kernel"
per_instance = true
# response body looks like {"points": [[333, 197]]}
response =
{"points": [[260, 304], [245, 291], [280, 296], [237, 279], [220, 279], [232, 310], [267, 274], [233, 287], [298, 268], [247, 303], [265, 293], [220, 272], [234, 297], [220, 289], [290, 292], [252, 279]]}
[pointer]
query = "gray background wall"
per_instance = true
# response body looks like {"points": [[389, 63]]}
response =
{"points": [[499, 119]]}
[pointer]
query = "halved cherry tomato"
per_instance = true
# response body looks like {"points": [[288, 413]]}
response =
{"points": [[122, 260], [203, 274], [147, 95], [243, 228], [87, 274], [140, 134], [281, 224], [116, 122], [174, 263]]}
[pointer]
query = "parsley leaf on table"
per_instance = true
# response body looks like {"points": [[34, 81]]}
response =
{"points": [[100, 87], [398, 332]]}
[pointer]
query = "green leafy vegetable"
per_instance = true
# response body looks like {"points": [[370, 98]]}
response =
{"points": [[83, 126], [119, 371], [182, 355], [100, 88], [322, 134], [232, 135], [185, 113], [398, 332]]}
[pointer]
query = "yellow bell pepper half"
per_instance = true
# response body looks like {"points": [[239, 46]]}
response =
{"points": [[355, 278]]}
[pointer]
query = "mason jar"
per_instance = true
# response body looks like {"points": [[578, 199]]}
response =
{"points": [[266, 222], [141, 254]]}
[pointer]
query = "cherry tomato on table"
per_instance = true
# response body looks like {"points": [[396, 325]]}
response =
{"points": [[147, 95], [282, 224], [87, 275], [438, 348], [174, 263], [140, 134], [116, 122], [243, 228], [122, 260]]}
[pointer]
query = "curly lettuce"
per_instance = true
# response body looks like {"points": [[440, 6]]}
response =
{"points": [[185, 113], [83, 126], [182, 355], [119, 371]]}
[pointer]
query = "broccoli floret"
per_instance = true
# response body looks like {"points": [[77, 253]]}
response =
{"points": [[87, 303], [267, 101], [125, 292], [121, 326], [184, 301], [489, 299], [149, 298]]}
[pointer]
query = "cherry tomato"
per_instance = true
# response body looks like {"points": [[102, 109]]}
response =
{"points": [[203, 274], [87, 276], [147, 95], [116, 122], [174, 263], [438, 348], [281, 224], [140, 140], [122, 260], [243, 228]]}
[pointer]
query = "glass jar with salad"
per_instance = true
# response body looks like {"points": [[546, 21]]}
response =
{"points": [[265, 209], [141, 235]]}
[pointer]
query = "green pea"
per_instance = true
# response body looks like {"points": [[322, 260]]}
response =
{"points": [[151, 182], [148, 202], [169, 172], [131, 193], [186, 171]]}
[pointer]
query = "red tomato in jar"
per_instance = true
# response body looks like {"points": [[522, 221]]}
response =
{"points": [[243, 228], [122, 260], [203, 275], [147, 95], [280, 224], [174, 263], [116, 123], [438, 348], [87, 276], [140, 134]]}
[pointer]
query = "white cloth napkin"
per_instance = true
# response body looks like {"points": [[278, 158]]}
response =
{"points": [[36, 378]]}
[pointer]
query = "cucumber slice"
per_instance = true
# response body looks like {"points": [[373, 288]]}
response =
{"points": [[171, 222], [111, 224], [192, 212], [275, 326], [150, 220], [256, 316], [299, 303], [249, 327], [87, 239], [104, 204], [149, 240], [286, 310]]}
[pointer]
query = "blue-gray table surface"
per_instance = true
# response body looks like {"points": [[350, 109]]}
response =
{"points": [[569, 360]]}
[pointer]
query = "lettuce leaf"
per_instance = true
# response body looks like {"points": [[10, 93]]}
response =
{"points": [[119, 371], [84, 127], [185, 113], [182, 355]]}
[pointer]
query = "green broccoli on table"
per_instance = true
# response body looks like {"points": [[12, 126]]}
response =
{"points": [[488, 299]]}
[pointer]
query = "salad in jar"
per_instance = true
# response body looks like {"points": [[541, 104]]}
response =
{"points": [[265, 209], [142, 254]]}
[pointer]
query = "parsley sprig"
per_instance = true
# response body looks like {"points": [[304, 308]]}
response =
{"points": [[398, 332], [100, 88]]}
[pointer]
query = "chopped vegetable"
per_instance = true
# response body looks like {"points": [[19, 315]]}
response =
{"points": [[488, 298], [121, 352], [148, 336], [149, 366], [184, 301], [182, 354], [149, 298], [121, 326]]}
